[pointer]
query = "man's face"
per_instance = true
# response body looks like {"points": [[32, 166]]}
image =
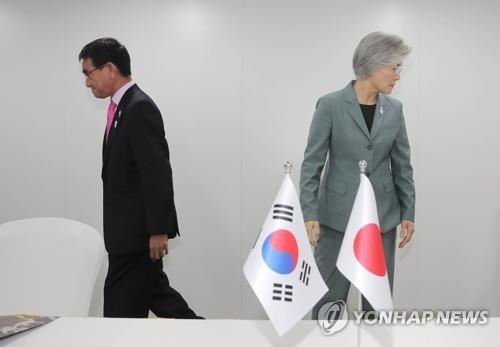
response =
{"points": [[97, 78]]}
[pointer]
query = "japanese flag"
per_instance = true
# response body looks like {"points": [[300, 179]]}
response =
{"points": [[361, 259]]}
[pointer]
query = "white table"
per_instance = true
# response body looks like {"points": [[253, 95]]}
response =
{"points": [[76, 332]]}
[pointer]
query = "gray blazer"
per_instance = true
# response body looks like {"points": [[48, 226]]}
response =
{"points": [[338, 130]]}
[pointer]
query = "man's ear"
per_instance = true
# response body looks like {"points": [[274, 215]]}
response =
{"points": [[113, 69]]}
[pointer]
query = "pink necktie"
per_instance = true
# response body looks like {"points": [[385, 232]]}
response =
{"points": [[111, 115]]}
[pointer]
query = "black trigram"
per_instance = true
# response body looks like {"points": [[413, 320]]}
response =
{"points": [[305, 273], [280, 293], [283, 212]]}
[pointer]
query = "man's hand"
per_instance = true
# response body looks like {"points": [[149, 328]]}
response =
{"points": [[158, 246], [407, 230], [312, 228]]}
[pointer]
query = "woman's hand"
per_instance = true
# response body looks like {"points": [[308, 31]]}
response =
{"points": [[407, 230], [312, 228]]}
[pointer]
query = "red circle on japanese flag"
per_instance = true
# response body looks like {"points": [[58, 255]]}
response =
{"points": [[368, 249]]}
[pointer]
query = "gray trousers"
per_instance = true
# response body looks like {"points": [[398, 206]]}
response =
{"points": [[326, 254]]}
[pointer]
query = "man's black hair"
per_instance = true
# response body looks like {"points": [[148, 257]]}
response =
{"points": [[107, 50]]}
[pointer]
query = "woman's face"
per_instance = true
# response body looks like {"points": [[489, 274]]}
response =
{"points": [[385, 77]]}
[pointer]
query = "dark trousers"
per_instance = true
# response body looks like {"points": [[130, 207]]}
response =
{"points": [[135, 285]]}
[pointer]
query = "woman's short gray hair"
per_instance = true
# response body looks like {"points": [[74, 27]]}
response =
{"points": [[377, 49]]}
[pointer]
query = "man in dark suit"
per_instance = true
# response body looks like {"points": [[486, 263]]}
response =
{"points": [[139, 210]]}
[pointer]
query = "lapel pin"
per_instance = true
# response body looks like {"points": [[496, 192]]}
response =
{"points": [[381, 109], [116, 123], [119, 114]]}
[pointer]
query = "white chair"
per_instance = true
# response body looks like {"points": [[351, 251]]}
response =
{"points": [[48, 266]]}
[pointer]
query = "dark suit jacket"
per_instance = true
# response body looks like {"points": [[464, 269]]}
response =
{"points": [[137, 178]]}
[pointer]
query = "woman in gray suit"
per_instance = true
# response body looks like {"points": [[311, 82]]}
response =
{"points": [[359, 122]]}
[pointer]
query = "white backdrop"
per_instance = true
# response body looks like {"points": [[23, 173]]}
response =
{"points": [[237, 82]]}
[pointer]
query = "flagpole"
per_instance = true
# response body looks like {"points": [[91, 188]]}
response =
{"points": [[359, 310], [362, 170]]}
